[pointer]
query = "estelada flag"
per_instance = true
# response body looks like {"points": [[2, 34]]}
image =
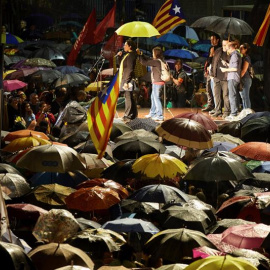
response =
{"points": [[260, 37], [86, 37], [100, 115], [169, 16]]}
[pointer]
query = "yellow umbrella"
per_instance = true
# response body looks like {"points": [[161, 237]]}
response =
{"points": [[160, 166], [137, 29], [23, 143], [221, 263], [96, 86], [8, 72]]}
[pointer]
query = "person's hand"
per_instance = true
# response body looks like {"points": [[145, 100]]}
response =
{"points": [[224, 63], [119, 53], [138, 51]]}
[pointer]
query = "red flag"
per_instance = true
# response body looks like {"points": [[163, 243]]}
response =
{"points": [[111, 47], [108, 21], [86, 37]]}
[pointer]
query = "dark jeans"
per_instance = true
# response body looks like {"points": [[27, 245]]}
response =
{"points": [[131, 111], [221, 91]]}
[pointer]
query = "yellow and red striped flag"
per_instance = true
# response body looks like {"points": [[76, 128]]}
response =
{"points": [[260, 37], [169, 16], [100, 115]]}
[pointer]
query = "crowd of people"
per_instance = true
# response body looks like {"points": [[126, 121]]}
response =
{"points": [[228, 70]]}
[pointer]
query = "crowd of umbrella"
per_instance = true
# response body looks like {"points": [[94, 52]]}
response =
{"points": [[55, 190]]}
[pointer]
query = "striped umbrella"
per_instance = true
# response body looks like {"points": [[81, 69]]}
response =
{"points": [[10, 39]]}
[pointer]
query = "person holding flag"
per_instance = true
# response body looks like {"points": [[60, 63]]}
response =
{"points": [[126, 78]]}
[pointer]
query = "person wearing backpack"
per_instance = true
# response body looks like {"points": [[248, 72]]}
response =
{"points": [[155, 63], [179, 79], [246, 78]]}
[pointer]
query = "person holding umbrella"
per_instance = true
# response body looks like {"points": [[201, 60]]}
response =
{"points": [[126, 76], [155, 63]]}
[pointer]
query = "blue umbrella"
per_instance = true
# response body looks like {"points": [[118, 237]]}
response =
{"points": [[222, 146], [69, 179], [201, 47], [131, 225], [69, 69], [172, 38], [263, 168], [181, 53], [185, 31]]}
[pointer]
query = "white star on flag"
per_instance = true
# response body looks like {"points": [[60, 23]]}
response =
{"points": [[176, 9]]}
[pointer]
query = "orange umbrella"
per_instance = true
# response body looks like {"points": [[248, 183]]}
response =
{"points": [[95, 198], [25, 133], [102, 182], [253, 150]]}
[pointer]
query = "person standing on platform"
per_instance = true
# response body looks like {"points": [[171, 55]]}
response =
{"points": [[245, 76], [215, 42], [233, 71], [154, 62], [220, 81], [126, 78]]}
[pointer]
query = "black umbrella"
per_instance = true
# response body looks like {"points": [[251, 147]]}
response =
{"points": [[254, 116], [45, 76], [177, 216], [87, 224], [49, 53], [139, 207], [75, 138], [118, 128], [73, 79], [120, 171], [135, 148], [231, 128], [230, 25], [176, 245], [159, 194], [6, 168], [256, 130], [216, 169], [143, 123], [204, 22], [207, 153], [14, 258]]}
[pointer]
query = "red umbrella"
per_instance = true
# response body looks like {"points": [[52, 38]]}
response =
{"points": [[95, 198], [102, 182], [253, 150], [11, 85], [206, 121], [25, 133], [25, 211]]}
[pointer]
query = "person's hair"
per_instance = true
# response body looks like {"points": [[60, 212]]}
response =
{"points": [[81, 93], [23, 108], [178, 61], [158, 53], [41, 104], [232, 44], [246, 46], [132, 44], [32, 95], [216, 36]]}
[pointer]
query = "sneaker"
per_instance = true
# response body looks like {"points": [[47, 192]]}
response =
{"points": [[231, 118], [212, 112], [148, 116], [158, 119]]}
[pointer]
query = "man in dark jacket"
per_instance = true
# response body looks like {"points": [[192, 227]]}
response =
{"points": [[220, 81], [126, 79]]}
